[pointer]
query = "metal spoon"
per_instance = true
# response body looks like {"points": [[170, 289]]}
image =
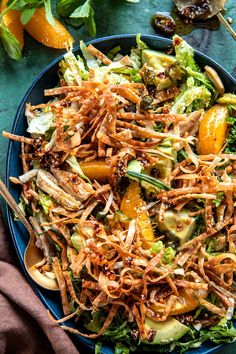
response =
{"points": [[33, 255]]}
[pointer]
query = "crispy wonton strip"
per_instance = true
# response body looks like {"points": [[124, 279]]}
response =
{"points": [[148, 133], [19, 138], [99, 55], [62, 285], [64, 259], [165, 118]]}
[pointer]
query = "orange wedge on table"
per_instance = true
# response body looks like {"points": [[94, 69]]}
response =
{"points": [[12, 21], [51, 36]]}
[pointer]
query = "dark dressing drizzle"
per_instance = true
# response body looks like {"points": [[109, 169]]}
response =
{"points": [[167, 24]]}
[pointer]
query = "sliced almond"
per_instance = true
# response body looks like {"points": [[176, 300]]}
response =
{"points": [[215, 79]]}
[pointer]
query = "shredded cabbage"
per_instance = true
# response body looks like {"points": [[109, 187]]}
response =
{"points": [[41, 123]]}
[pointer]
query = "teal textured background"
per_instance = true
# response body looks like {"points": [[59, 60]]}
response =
{"points": [[112, 17]]}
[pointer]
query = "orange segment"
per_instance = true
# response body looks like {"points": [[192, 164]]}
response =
{"points": [[134, 207], [12, 21], [51, 36], [185, 303], [212, 130], [98, 170]]}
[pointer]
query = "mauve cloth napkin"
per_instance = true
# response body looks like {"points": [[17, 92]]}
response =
{"points": [[24, 325]]}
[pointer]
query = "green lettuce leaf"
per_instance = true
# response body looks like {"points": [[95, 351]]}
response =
{"points": [[140, 44], [132, 72], [78, 64], [22, 205], [223, 332], [188, 97], [184, 53], [73, 163], [135, 59], [46, 201], [231, 140], [227, 98], [200, 77], [26, 15], [112, 52], [41, 123], [90, 59]]}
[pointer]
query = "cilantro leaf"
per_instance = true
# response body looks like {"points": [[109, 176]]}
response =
{"points": [[66, 7], [90, 23], [48, 10], [75, 22], [82, 11], [85, 12], [26, 14], [10, 42]]}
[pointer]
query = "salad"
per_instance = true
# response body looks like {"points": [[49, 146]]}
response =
{"points": [[129, 184]]}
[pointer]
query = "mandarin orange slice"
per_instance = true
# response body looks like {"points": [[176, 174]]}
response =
{"points": [[212, 130], [40, 29]]}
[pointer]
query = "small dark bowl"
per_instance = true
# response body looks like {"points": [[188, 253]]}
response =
{"points": [[48, 79]]}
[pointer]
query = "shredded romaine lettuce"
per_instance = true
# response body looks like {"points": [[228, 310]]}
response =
{"points": [[22, 206], [223, 332], [200, 77], [132, 72], [135, 59], [46, 201], [187, 98], [184, 53], [140, 44], [41, 123], [91, 61], [72, 161], [112, 53], [78, 64]]}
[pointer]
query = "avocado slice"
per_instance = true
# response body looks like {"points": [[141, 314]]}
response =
{"points": [[164, 165], [165, 332], [179, 224], [135, 166], [134, 170], [157, 60]]}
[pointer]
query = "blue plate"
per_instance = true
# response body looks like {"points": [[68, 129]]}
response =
{"points": [[47, 79]]}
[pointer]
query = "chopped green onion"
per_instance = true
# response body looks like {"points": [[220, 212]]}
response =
{"points": [[153, 181]]}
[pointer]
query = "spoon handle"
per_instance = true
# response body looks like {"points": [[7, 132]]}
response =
{"points": [[4, 192], [227, 25]]}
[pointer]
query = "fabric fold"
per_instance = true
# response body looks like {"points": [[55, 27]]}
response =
{"points": [[25, 327]]}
